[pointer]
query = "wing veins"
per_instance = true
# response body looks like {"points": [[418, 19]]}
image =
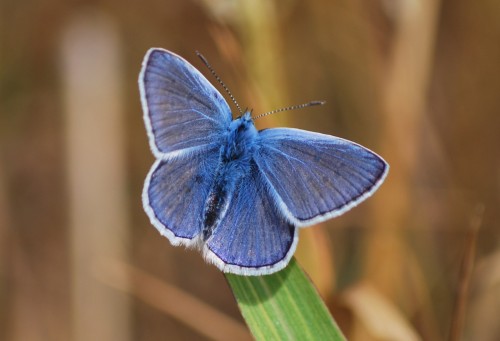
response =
{"points": [[346, 161]]}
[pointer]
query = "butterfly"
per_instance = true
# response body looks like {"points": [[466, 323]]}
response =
{"points": [[237, 194]]}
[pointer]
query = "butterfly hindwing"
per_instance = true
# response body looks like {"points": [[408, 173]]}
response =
{"points": [[253, 238], [182, 110], [175, 191], [314, 176]]}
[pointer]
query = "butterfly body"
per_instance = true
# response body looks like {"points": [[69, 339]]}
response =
{"points": [[236, 193], [235, 162]]}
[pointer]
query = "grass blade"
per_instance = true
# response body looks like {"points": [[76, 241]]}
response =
{"points": [[283, 306]]}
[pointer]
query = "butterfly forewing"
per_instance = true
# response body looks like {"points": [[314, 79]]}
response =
{"points": [[182, 110], [316, 176]]}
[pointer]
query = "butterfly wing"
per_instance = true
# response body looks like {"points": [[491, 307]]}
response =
{"points": [[175, 191], [183, 112], [253, 237], [314, 176]]}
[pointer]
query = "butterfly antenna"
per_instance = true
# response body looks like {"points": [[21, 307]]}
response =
{"points": [[205, 61], [293, 107]]}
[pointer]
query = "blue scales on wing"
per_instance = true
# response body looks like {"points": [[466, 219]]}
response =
{"points": [[175, 192], [316, 176], [182, 110], [253, 236]]}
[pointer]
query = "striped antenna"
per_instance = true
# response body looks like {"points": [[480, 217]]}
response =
{"points": [[205, 61], [293, 107]]}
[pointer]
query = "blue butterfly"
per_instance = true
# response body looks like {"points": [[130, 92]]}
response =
{"points": [[237, 194]]}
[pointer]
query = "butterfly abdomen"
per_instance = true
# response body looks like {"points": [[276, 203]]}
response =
{"points": [[215, 204]]}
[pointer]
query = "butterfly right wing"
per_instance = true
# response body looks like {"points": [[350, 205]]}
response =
{"points": [[175, 192], [315, 176], [183, 112]]}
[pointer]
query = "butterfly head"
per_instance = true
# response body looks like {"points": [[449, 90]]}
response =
{"points": [[243, 125]]}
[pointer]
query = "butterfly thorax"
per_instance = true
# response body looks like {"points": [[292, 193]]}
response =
{"points": [[236, 156], [240, 139]]}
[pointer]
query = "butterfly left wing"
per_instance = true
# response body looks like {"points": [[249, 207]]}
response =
{"points": [[314, 176], [183, 112], [253, 237]]}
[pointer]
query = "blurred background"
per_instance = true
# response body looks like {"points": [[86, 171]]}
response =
{"points": [[416, 81]]}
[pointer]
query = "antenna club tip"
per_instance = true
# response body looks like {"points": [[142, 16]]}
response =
{"points": [[202, 57], [317, 102]]}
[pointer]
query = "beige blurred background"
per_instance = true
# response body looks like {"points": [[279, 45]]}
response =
{"points": [[416, 81]]}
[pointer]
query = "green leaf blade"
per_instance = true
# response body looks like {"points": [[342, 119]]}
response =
{"points": [[283, 306]]}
